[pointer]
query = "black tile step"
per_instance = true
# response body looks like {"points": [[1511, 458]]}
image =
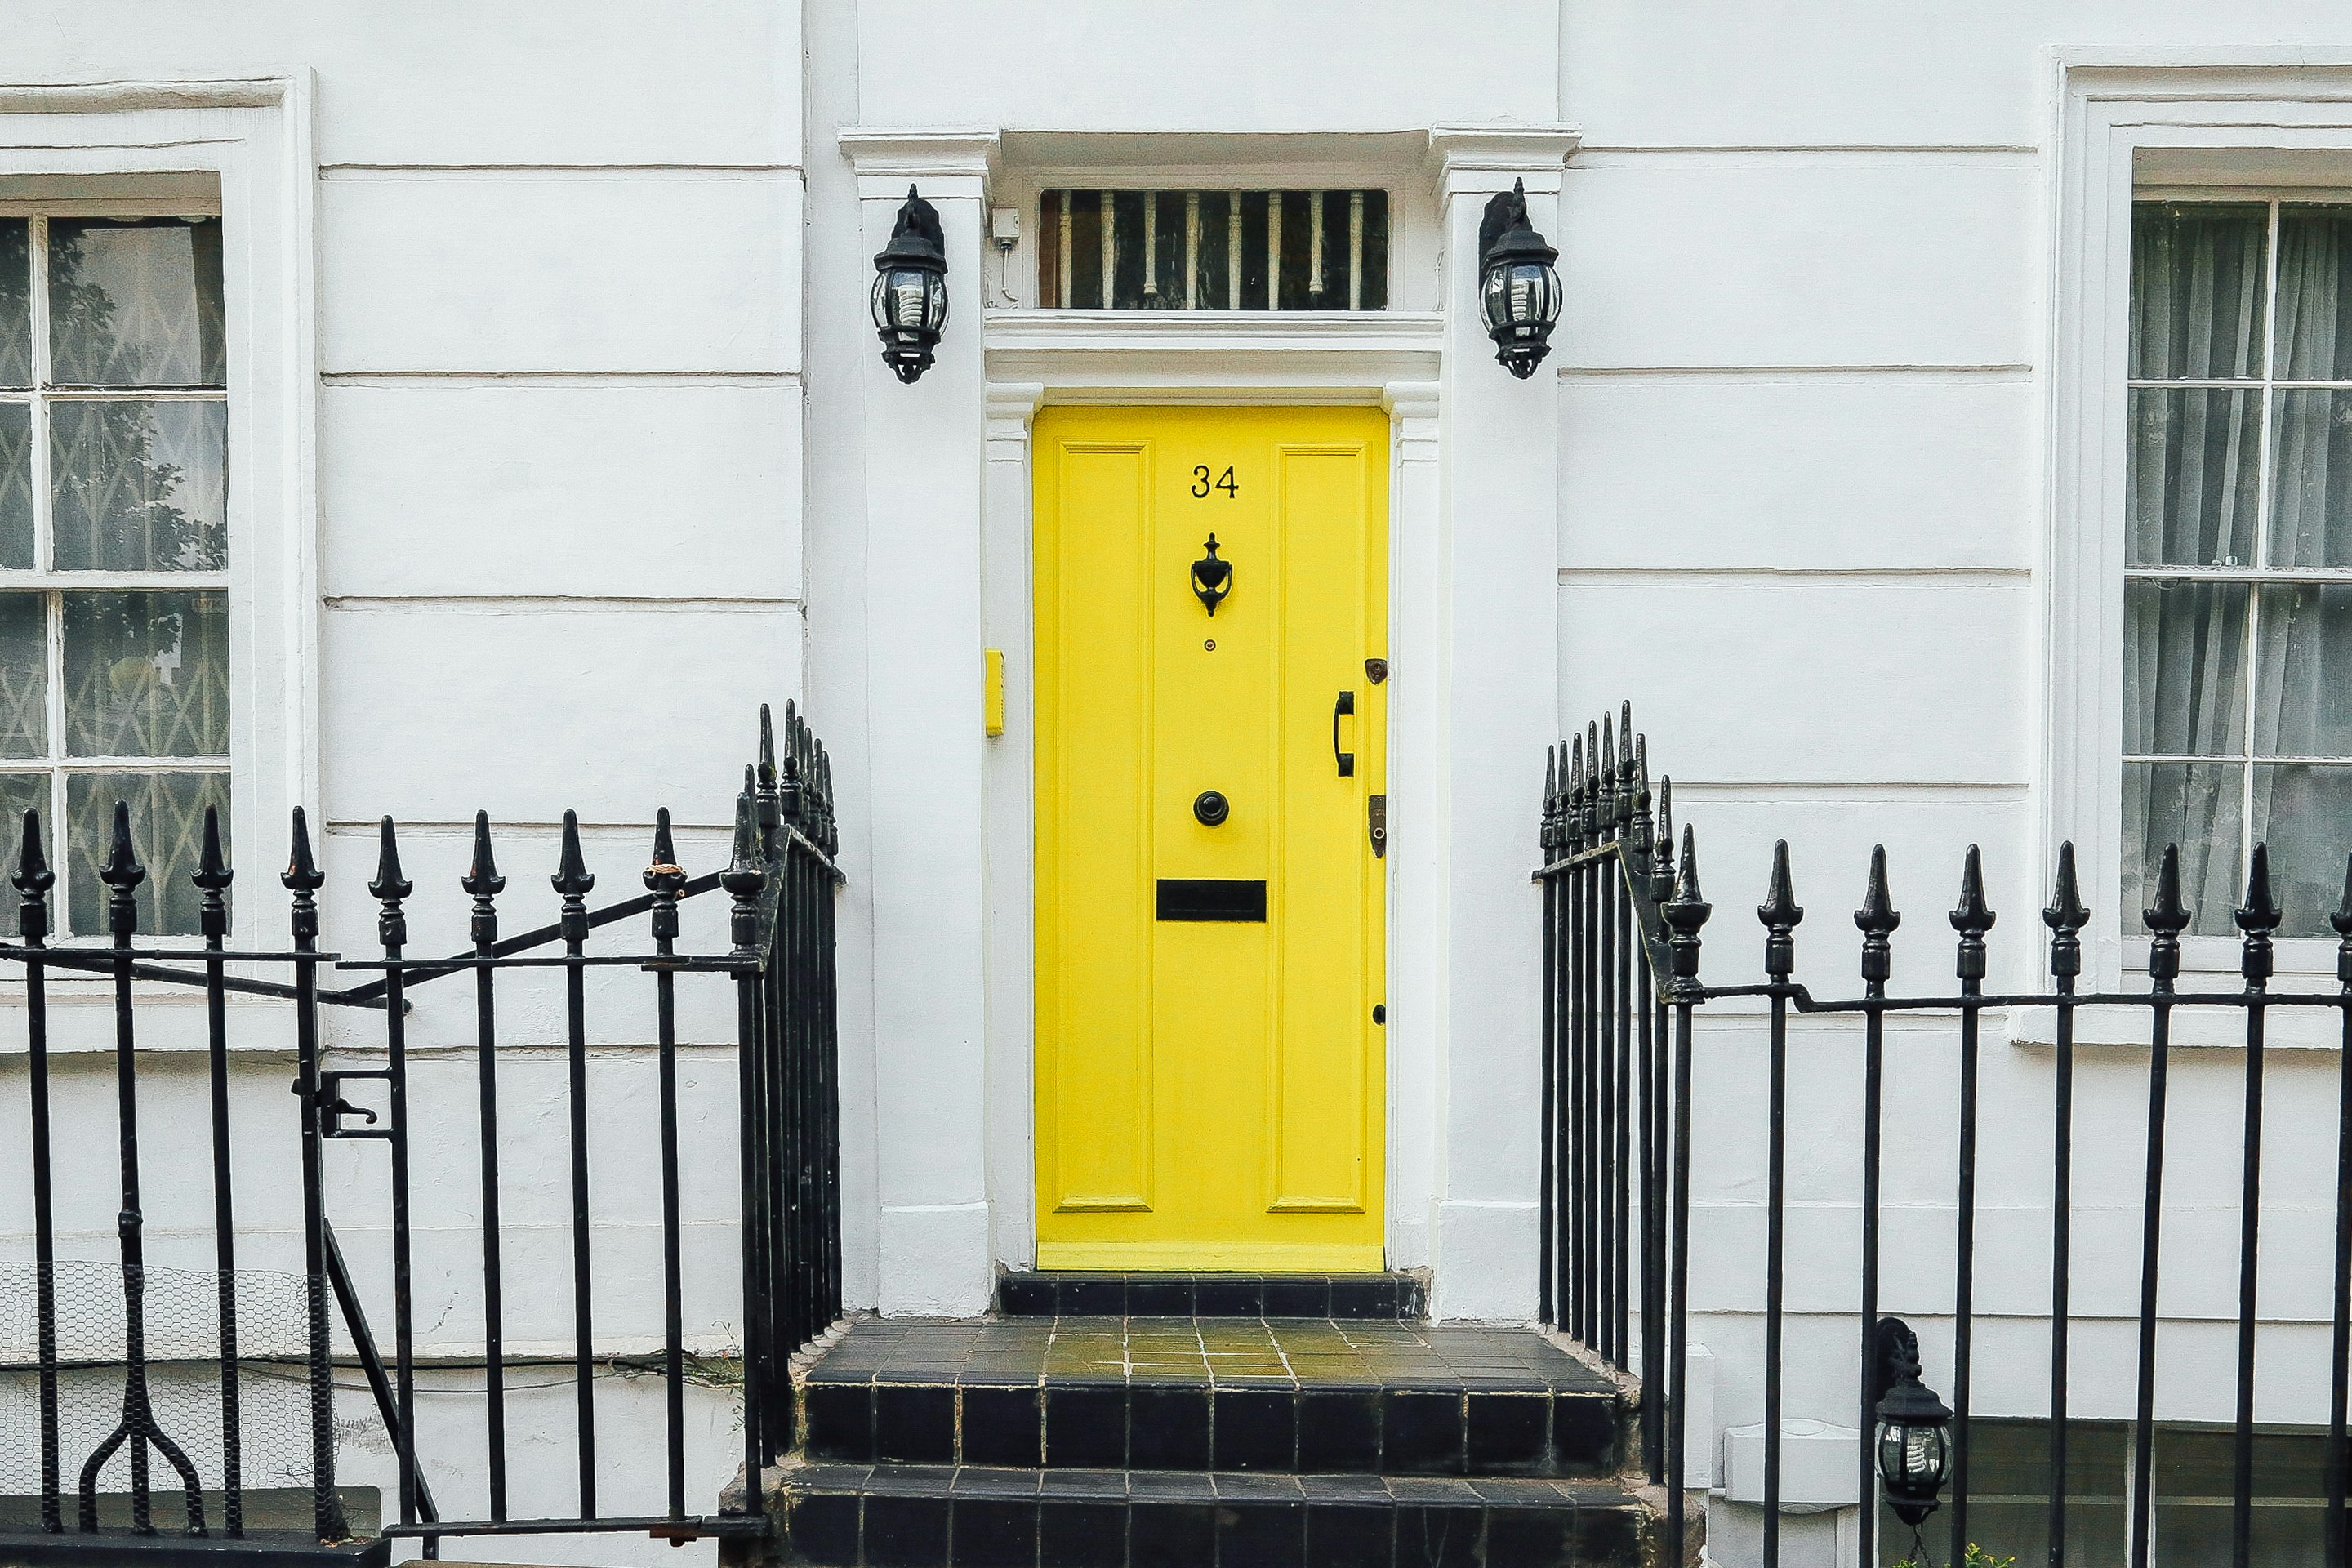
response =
{"points": [[1075, 1293], [916, 1516], [1269, 1396]]}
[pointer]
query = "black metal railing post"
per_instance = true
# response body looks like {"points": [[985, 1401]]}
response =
{"points": [[2166, 920], [389, 888], [484, 884], [744, 879], [1780, 914], [33, 878], [1684, 915], [1971, 917], [212, 878], [303, 878], [2257, 918], [2065, 916], [1877, 921], [664, 877], [573, 884]]}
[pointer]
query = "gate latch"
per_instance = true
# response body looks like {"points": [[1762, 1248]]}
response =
{"points": [[1375, 817]]}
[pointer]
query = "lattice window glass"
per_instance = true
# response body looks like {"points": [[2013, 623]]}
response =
{"points": [[2238, 577], [1212, 250], [114, 623]]}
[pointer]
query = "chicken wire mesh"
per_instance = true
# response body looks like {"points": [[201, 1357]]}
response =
{"points": [[181, 1312]]}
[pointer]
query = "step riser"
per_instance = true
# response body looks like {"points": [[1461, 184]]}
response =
{"points": [[1175, 1426], [893, 1531], [1347, 1298]]}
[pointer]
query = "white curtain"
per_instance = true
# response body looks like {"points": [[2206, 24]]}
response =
{"points": [[2195, 492]]}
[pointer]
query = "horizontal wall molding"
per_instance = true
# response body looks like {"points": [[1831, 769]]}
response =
{"points": [[1907, 787], [585, 377], [1853, 576], [1857, 372], [1817, 154], [536, 604], [409, 172]]}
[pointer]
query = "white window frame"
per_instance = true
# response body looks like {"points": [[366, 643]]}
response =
{"points": [[2132, 126], [144, 146]]}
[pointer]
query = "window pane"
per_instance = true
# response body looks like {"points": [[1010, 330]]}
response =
{"points": [[2199, 807], [23, 676], [2305, 814], [167, 834], [2314, 332], [2311, 492], [136, 302], [15, 302], [2195, 1485], [140, 487], [2197, 291], [21, 792], [146, 675], [2303, 673], [2190, 483], [2184, 653], [16, 486]]}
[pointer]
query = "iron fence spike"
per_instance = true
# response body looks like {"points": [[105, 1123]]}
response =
{"points": [[302, 873], [1972, 916], [573, 877], [2066, 913], [1877, 917], [123, 870], [33, 874], [2261, 912], [767, 746], [212, 873], [390, 885], [1779, 912], [2341, 920], [2167, 917], [482, 879]]}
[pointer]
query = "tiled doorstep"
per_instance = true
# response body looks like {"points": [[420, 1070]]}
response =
{"points": [[1172, 1394], [903, 1515]]}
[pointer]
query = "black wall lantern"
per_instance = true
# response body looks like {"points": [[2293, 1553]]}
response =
{"points": [[910, 288], [1519, 291], [1915, 1429]]}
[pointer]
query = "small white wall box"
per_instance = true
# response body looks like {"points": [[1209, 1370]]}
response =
{"points": [[1004, 225], [1818, 1466]]}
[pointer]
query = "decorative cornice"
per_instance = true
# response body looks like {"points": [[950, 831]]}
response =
{"points": [[919, 153], [121, 97], [1466, 159], [1224, 331]]}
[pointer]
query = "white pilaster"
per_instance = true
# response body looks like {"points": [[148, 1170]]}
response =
{"points": [[924, 487], [1416, 945], [1008, 778], [1498, 698]]}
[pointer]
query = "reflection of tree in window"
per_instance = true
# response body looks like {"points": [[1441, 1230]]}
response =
{"points": [[139, 484]]}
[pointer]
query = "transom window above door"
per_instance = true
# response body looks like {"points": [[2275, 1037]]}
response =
{"points": [[1214, 250], [2237, 701], [114, 619]]}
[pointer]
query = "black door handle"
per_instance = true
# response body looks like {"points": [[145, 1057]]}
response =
{"points": [[1347, 760]]}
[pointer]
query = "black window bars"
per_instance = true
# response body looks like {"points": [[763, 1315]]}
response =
{"points": [[781, 883], [1622, 925]]}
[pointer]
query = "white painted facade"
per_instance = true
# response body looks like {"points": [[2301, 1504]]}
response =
{"points": [[561, 441]]}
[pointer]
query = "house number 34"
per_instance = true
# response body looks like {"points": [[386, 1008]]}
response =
{"points": [[1202, 484]]}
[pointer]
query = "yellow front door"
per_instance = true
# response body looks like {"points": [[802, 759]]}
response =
{"points": [[1211, 728]]}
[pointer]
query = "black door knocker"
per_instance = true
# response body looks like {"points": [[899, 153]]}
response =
{"points": [[1213, 579]]}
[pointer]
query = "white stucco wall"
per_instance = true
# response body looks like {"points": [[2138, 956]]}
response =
{"points": [[591, 344]]}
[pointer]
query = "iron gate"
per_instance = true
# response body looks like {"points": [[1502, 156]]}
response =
{"points": [[780, 884]]}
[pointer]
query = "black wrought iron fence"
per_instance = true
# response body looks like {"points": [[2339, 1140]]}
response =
{"points": [[780, 882], [1622, 926]]}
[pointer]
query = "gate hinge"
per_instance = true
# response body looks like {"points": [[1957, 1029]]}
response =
{"points": [[1376, 816]]}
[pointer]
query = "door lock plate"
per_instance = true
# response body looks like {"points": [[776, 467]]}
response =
{"points": [[1376, 820]]}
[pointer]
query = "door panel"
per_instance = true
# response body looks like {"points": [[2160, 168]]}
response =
{"points": [[1210, 1084]]}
